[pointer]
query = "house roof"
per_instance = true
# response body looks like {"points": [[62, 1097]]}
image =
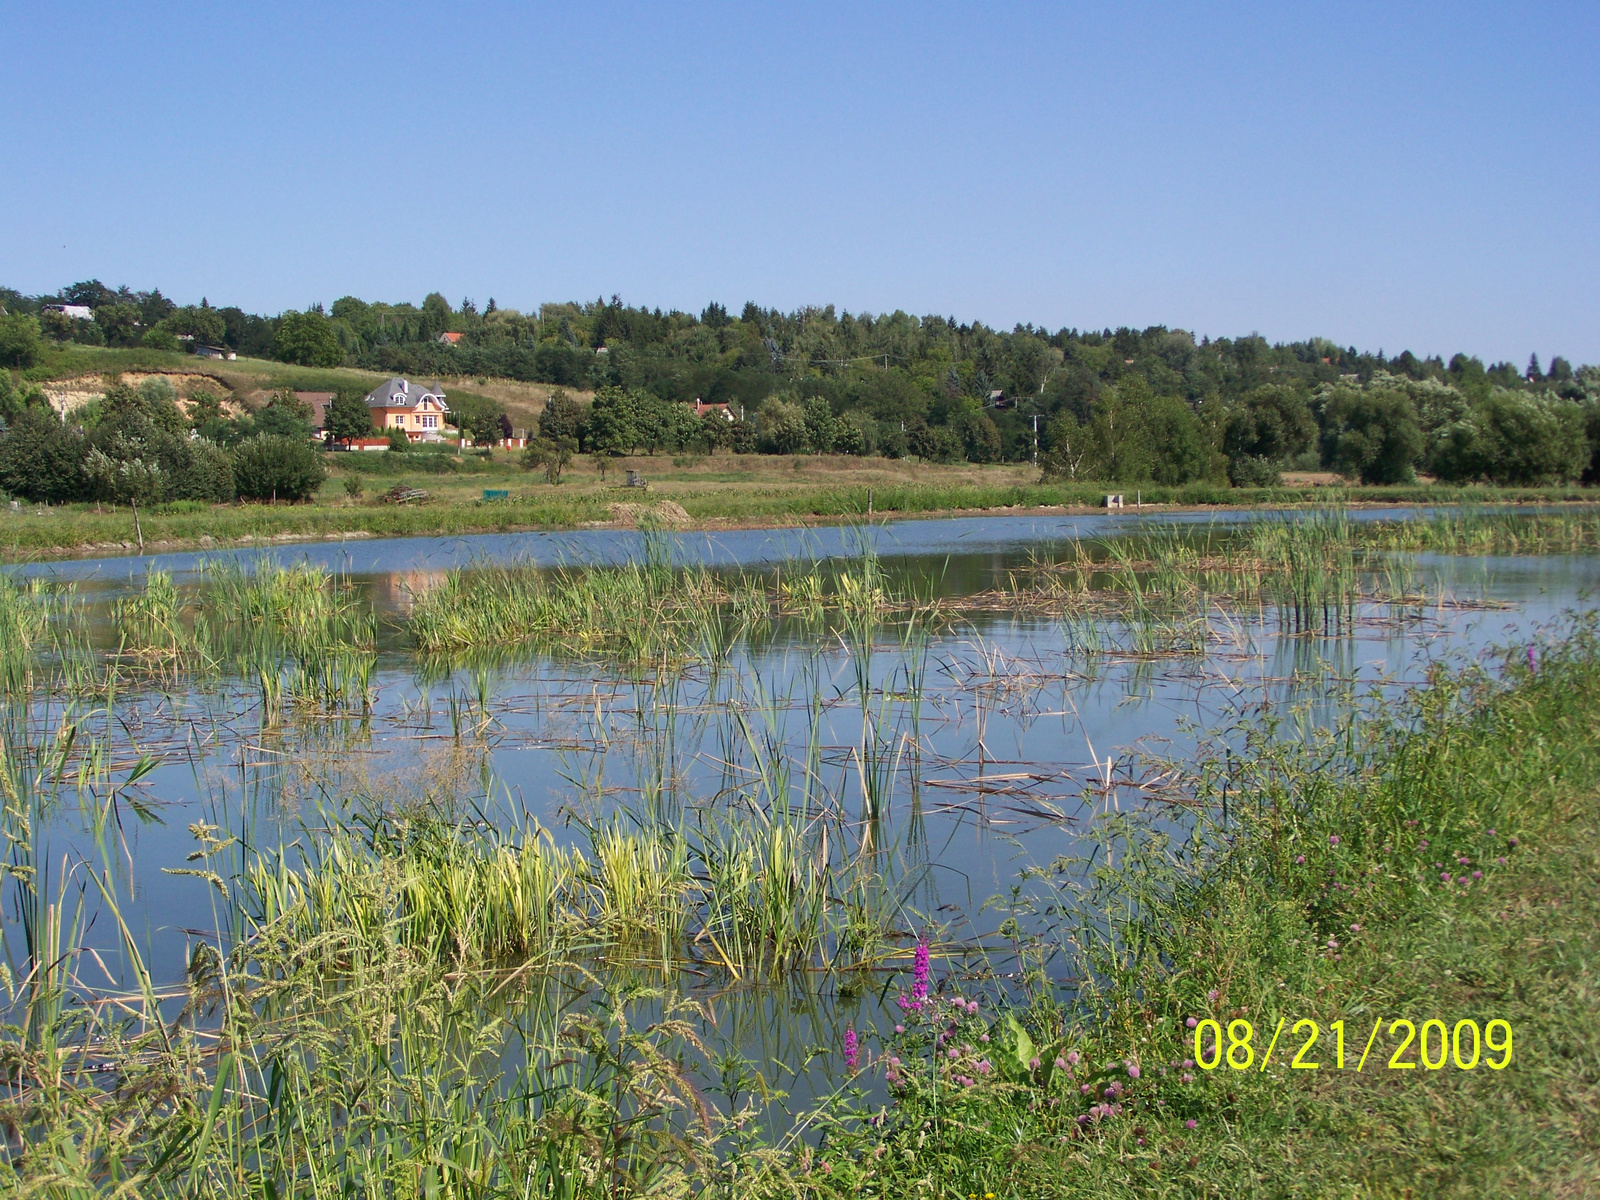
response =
{"points": [[452, 338], [318, 402], [398, 393]]}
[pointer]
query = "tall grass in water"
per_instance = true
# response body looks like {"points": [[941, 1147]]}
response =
{"points": [[1310, 567], [304, 634], [639, 611], [31, 613], [1475, 531]]}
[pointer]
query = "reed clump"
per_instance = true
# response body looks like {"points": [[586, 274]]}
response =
{"points": [[1477, 531], [754, 898]]}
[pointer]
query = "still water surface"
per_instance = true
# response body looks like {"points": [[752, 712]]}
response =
{"points": [[1002, 763]]}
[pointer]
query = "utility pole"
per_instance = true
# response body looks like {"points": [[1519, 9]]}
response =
{"points": [[1035, 437]]}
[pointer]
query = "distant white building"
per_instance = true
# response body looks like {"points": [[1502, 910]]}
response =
{"points": [[78, 312]]}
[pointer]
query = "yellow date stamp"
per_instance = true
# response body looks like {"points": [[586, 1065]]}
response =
{"points": [[1432, 1046]]}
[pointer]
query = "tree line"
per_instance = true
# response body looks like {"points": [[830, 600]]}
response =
{"points": [[1119, 405]]}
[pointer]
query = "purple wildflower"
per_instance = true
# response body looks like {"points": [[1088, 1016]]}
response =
{"points": [[920, 971], [1061, 1063], [1072, 1057], [1212, 995], [1445, 876], [1333, 839], [1299, 859], [1191, 1022], [983, 1066], [1133, 1071], [1533, 659], [1190, 1123], [852, 1049], [1512, 842], [1033, 1063], [1477, 874], [899, 1028], [952, 1053]]}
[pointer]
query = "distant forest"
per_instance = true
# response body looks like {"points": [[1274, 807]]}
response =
{"points": [[1121, 404]]}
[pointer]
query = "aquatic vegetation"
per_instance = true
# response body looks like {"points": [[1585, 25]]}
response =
{"points": [[427, 990]]}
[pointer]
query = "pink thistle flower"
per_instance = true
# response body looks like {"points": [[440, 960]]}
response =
{"points": [[1033, 1063], [1191, 1022], [1133, 1071], [1061, 1063], [1072, 1057], [852, 1049], [1190, 1123], [1333, 839], [899, 1028]]}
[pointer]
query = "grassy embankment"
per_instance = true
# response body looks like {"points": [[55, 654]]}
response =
{"points": [[715, 492]]}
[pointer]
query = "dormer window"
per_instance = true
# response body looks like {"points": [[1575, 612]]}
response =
{"points": [[398, 398]]}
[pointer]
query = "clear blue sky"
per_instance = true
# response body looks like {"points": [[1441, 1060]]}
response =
{"points": [[1387, 175]]}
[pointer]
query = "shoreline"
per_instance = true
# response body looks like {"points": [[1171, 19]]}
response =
{"points": [[699, 524]]}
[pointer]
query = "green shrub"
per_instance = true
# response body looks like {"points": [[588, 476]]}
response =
{"points": [[40, 459], [1254, 470], [266, 467], [203, 472], [20, 340]]}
